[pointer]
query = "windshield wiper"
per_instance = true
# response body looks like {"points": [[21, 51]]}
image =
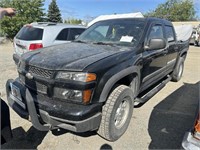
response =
{"points": [[103, 43], [79, 41]]}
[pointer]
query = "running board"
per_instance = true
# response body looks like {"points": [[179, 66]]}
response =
{"points": [[141, 101]]}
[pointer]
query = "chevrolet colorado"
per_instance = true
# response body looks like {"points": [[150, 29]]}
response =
{"points": [[93, 83]]}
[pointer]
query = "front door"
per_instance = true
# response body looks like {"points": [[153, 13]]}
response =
{"points": [[155, 61]]}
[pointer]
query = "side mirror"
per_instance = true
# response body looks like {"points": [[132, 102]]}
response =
{"points": [[155, 44]]}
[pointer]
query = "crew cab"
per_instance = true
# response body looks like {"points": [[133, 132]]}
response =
{"points": [[94, 82]]}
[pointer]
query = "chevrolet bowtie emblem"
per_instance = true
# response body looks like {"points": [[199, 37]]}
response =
{"points": [[29, 75]]}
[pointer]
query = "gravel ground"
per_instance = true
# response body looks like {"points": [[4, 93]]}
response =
{"points": [[159, 124]]}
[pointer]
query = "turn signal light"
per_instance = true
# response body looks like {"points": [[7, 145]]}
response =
{"points": [[90, 77], [86, 96]]}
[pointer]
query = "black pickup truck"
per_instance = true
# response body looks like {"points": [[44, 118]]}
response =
{"points": [[93, 83]]}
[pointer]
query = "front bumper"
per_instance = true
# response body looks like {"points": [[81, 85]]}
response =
{"points": [[46, 114], [190, 143]]}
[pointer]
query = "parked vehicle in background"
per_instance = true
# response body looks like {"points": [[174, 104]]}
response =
{"points": [[195, 38], [42, 34], [93, 83], [191, 139]]}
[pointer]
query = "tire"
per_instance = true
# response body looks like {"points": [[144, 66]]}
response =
{"points": [[178, 71], [196, 43], [116, 113]]}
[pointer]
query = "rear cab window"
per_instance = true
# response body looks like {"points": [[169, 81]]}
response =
{"points": [[30, 33]]}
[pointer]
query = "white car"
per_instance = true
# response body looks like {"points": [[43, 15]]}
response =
{"points": [[42, 34], [195, 38]]}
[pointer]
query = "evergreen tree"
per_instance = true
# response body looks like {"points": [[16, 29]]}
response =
{"points": [[54, 12], [28, 11]]}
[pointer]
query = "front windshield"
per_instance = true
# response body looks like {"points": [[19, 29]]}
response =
{"points": [[124, 32]]}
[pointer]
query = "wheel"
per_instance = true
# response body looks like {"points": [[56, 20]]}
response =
{"points": [[178, 71], [197, 43], [116, 113]]}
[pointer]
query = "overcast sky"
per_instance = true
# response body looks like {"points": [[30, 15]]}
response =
{"points": [[92, 8]]}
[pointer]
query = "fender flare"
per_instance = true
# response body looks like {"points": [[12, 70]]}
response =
{"points": [[185, 50], [115, 78]]}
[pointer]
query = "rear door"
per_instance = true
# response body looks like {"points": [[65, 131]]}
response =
{"points": [[172, 47], [62, 37], [74, 33], [154, 61], [26, 36], [67, 35]]}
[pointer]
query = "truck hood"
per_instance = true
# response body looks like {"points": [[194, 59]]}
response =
{"points": [[70, 56]]}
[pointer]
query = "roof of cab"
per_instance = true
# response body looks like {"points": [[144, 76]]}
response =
{"points": [[164, 21], [147, 19]]}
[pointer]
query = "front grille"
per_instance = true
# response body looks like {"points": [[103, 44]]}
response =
{"points": [[40, 72], [34, 85]]}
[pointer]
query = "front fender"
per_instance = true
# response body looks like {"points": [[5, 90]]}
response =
{"points": [[115, 78]]}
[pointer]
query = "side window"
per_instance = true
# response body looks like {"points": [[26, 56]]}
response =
{"points": [[75, 32], [62, 36], [156, 32], [169, 34]]}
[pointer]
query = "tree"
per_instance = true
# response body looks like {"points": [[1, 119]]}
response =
{"points": [[28, 11], [175, 10], [73, 21], [54, 12]]}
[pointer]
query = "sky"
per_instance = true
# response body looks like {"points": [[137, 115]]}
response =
{"points": [[86, 9]]}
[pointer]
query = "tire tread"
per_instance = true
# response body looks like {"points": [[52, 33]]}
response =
{"points": [[107, 110]]}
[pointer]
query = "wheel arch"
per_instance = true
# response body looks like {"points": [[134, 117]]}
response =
{"points": [[183, 53], [124, 77]]}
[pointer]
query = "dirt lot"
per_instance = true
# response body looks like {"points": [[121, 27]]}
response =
{"points": [[159, 124]]}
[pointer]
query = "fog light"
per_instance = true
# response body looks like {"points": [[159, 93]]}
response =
{"points": [[72, 94]]}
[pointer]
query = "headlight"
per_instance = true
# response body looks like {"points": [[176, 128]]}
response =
{"points": [[76, 76]]}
